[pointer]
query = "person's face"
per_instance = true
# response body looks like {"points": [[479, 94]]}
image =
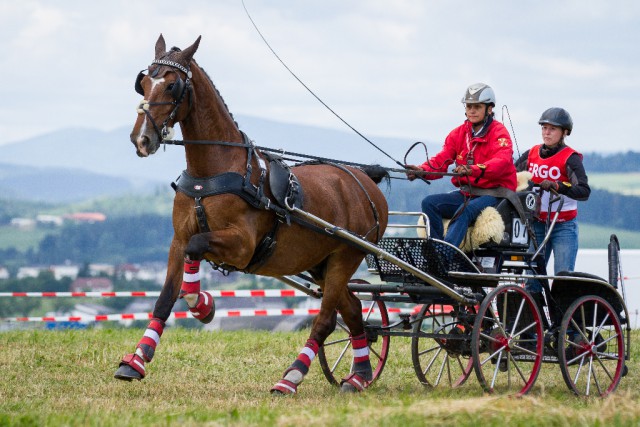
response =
{"points": [[551, 135], [477, 112]]}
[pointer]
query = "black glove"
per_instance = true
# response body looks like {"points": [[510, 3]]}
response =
{"points": [[548, 185]]}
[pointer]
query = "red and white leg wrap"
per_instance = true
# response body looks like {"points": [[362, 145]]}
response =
{"points": [[306, 356], [147, 345], [361, 362], [136, 362], [190, 282], [294, 375], [204, 307], [361, 372], [200, 303]]}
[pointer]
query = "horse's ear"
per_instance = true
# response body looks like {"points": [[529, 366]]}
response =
{"points": [[188, 53], [161, 47]]}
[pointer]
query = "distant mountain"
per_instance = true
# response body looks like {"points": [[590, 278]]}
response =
{"points": [[111, 153], [58, 185], [76, 164]]}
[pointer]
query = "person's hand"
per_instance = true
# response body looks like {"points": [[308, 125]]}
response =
{"points": [[463, 170], [410, 175], [549, 185]]}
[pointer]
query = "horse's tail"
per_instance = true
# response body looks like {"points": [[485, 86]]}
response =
{"points": [[377, 173]]}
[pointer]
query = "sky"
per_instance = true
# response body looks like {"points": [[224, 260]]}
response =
{"points": [[390, 68]]}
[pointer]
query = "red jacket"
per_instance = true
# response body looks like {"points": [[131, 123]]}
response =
{"points": [[491, 157]]}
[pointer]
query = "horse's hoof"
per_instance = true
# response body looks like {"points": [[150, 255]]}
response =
{"points": [[284, 388], [209, 317], [354, 383], [127, 373], [348, 388], [131, 368], [205, 309]]}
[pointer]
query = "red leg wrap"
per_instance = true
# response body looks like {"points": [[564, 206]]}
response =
{"points": [[190, 278], [284, 387], [204, 307], [354, 383], [135, 362], [361, 361], [151, 338], [306, 356]]}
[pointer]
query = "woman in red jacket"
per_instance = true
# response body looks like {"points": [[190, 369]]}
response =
{"points": [[483, 155]]}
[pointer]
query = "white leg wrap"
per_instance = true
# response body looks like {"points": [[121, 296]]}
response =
{"points": [[294, 376], [191, 299]]}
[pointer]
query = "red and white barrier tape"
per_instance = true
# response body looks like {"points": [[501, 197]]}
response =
{"points": [[186, 315], [214, 293]]}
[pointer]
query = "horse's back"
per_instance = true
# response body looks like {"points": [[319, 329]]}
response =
{"points": [[345, 196]]}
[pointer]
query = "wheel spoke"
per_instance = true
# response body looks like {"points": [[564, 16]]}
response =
{"points": [[444, 361], [495, 371], [593, 348], [433, 360], [429, 350], [338, 341], [438, 340], [334, 356], [339, 358], [517, 368], [369, 311], [508, 335], [375, 352]]}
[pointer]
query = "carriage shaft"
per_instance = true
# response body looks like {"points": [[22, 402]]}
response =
{"points": [[375, 250]]}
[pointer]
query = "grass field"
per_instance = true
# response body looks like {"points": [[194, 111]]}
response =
{"points": [[623, 183], [597, 237], [201, 378]]}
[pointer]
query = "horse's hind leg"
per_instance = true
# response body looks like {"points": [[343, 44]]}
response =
{"points": [[361, 374], [335, 295]]}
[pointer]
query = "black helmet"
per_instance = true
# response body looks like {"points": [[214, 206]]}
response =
{"points": [[557, 117]]}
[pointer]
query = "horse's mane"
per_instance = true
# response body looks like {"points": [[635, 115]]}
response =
{"points": [[217, 91], [193, 61]]}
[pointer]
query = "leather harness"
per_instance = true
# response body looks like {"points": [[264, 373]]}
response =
{"points": [[285, 189]]}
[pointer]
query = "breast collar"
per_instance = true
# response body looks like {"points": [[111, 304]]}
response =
{"points": [[228, 182]]}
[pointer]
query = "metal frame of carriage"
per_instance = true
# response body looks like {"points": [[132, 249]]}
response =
{"points": [[476, 314]]}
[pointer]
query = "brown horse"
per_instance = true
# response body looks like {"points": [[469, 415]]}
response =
{"points": [[240, 216]]}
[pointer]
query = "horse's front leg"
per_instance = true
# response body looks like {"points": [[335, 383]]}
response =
{"points": [[132, 366]]}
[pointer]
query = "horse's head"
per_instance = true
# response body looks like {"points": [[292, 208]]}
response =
{"points": [[167, 93]]}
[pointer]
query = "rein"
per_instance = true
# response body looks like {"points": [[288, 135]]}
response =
{"points": [[282, 152]]}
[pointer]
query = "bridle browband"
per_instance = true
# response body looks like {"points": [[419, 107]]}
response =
{"points": [[178, 93], [173, 64]]}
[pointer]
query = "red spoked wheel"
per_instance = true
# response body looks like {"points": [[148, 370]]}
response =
{"points": [[507, 341], [334, 356], [443, 358], [591, 347]]}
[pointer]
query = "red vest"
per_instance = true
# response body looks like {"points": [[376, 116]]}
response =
{"points": [[553, 168]]}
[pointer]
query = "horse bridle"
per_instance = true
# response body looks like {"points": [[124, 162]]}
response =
{"points": [[178, 92]]}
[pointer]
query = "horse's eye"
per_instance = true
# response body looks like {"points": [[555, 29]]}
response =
{"points": [[169, 87]]}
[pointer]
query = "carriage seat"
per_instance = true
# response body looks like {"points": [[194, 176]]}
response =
{"points": [[493, 225]]}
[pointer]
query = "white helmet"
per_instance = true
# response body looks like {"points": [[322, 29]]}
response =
{"points": [[479, 93]]}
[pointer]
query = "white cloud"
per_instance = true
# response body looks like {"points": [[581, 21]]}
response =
{"points": [[391, 68]]}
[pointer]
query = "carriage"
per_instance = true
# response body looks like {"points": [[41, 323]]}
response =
{"points": [[473, 312], [311, 225]]}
